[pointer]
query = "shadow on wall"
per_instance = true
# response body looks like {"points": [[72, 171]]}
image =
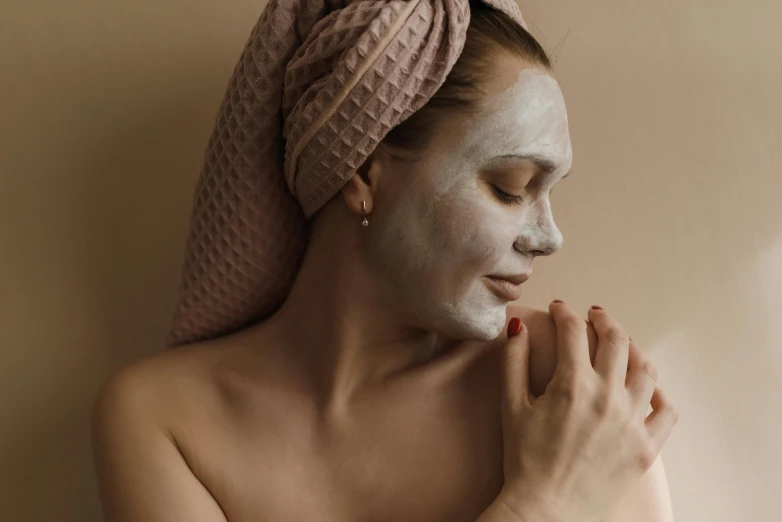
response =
{"points": [[129, 189], [738, 350]]}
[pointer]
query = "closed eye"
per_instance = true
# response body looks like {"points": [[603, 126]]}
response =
{"points": [[506, 198]]}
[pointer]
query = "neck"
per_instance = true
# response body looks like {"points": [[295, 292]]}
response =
{"points": [[339, 335]]}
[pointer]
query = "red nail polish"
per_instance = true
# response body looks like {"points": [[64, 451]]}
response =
{"points": [[556, 301], [595, 307], [514, 327]]}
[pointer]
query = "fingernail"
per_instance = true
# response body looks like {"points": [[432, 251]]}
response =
{"points": [[595, 307], [556, 301], [514, 327]]}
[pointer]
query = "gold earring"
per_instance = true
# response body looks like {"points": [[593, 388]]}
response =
{"points": [[364, 212]]}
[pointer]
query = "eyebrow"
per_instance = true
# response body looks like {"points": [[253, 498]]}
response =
{"points": [[544, 164]]}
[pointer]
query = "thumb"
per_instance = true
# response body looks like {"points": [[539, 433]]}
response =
{"points": [[515, 367]]}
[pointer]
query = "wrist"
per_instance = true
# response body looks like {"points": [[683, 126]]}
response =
{"points": [[498, 511], [521, 508]]}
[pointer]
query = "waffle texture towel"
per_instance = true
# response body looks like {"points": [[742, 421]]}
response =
{"points": [[318, 85]]}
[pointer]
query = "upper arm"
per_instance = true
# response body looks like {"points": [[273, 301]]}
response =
{"points": [[649, 500], [142, 476]]}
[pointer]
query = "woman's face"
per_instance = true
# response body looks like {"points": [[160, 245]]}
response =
{"points": [[442, 225]]}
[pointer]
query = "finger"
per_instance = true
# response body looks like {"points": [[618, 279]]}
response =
{"points": [[515, 368], [592, 337], [572, 342], [612, 347], [641, 378], [663, 418]]}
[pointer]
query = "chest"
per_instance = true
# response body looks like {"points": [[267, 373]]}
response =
{"points": [[438, 458]]}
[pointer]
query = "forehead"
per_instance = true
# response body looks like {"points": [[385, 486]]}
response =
{"points": [[523, 112]]}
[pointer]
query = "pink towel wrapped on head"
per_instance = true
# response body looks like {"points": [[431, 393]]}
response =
{"points": [[318, 85]]}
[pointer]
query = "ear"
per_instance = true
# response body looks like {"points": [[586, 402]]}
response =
{"points": [[363, 185]]}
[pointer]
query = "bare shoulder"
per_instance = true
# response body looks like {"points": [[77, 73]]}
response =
{"points": [[139, 417], [183, 390], [152, 385], [539, 321]]}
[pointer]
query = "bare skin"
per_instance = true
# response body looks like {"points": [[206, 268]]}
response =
{"points": [[211, 432], [357, 400], [425, 447]]}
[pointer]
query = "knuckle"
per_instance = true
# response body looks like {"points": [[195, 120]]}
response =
{"points": [[574, 324], [646, 458], [612, 403], [673, 414], [607, 404], [650, 370], [570, 387], [568, 395], [616, 335], [513, 357], [602, 406]]}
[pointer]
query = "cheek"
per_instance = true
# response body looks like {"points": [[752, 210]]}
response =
{"points": [[476, 235], [494, 238], [447, 233]]}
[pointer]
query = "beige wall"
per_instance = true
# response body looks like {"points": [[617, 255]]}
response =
{"points": [[672, 219]]}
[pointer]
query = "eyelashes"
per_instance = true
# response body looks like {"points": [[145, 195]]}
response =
{"points": [[510, 199], [503, 196]]}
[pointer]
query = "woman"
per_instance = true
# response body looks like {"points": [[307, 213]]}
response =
{"points": [[372, 379]]}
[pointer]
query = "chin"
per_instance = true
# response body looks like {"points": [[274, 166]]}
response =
{"points": [[484, 323]]}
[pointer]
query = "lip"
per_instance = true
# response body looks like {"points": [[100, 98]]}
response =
{"points": [[516, 279], [507, 287]]}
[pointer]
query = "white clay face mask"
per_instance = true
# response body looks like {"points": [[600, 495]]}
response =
{"points": [[449, 230]]}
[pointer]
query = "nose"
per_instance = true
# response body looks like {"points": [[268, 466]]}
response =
{"points": [[540, 237], [547, 251], [551, 244]]}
